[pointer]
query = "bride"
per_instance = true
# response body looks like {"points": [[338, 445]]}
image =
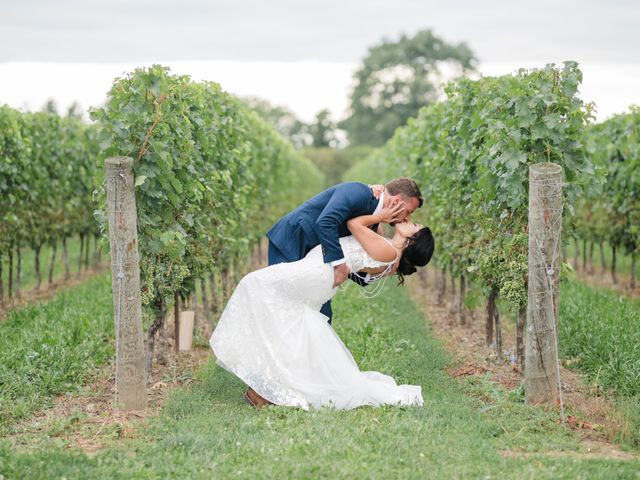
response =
{"points": [[273, 337]]}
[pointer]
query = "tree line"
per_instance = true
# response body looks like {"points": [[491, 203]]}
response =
{"points": [[395, 79]]}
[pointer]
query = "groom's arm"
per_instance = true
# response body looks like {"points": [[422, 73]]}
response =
{"points": [[346, 202]]}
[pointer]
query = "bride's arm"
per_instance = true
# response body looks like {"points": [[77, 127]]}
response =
{"points": [[374, 244]]}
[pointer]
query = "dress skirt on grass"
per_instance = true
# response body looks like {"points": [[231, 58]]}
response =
{"points": [[274, 338]]}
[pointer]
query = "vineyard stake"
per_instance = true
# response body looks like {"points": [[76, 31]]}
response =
{"points": [[541, 370], [125, 281]]}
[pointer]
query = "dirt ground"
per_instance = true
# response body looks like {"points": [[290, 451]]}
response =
{"points": [[590, 412]]}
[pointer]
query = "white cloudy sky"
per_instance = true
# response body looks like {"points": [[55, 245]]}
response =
{"points": [[301, 53]]}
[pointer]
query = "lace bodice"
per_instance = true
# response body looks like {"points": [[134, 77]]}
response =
{"points": [[356, 256]]}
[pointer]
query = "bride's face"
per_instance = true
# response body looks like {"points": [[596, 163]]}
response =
{"points": [[408, 229]]}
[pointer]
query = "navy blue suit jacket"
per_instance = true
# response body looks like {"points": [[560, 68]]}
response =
{"points": [[322, 220]]}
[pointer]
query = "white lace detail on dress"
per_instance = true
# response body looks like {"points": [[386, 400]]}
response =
{"points": [[357, 257], [360, 259]]}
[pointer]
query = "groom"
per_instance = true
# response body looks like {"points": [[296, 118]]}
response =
{"points": [[322, 220]]}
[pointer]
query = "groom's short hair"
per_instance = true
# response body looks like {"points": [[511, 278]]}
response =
{"points": [[406, 187]]}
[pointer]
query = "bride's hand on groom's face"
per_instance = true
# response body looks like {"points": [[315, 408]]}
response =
{"points": [[393, 213]]}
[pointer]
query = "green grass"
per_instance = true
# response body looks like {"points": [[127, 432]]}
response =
{"points": [[28, 272], [599, 332], [599, 335], [49, 348], [206, 431]]}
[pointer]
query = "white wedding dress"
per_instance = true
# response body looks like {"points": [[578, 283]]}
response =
{"points": [[273, 337]]}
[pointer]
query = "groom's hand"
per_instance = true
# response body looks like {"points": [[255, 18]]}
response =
{"points": [[340, 274], [377, 190]]}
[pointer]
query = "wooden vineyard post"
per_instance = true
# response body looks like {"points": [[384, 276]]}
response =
{"points": [[541, 372], [125, 270], [176, 321]]}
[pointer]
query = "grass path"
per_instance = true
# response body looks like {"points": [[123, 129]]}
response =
{"points": [[206, 431], [50, 348]]}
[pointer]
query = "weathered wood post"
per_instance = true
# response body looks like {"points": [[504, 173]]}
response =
{"points": [[541, 372], [1, 284], [125, 274]]}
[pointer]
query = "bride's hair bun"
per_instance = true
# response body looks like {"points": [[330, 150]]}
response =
{"points": [[405, 268], [418, 253]]}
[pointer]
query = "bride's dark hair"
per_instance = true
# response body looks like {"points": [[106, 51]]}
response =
{"points": [[417, 254]]}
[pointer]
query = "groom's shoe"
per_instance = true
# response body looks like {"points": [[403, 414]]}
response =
{"points": [[252, 398]]}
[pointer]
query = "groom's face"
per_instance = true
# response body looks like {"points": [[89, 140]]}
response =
{"points": [[410, 205]]}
